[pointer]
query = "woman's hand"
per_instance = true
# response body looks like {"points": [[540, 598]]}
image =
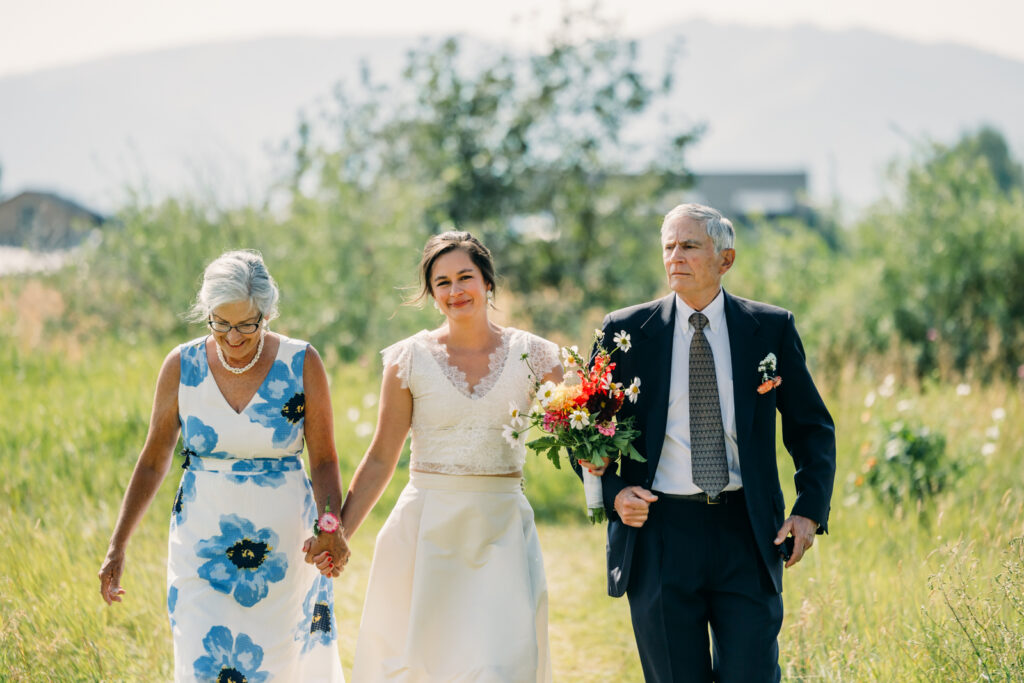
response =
{"points": [[329, 553], [110, 577], [594, 469]]}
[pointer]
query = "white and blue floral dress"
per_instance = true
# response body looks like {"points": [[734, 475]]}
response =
{"points": [[243, 604]]}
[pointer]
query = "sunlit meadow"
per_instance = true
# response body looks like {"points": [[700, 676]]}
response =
{"points": [[926, 592]]}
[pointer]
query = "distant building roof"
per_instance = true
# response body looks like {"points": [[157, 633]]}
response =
{"points": [[43, 220], [743, 195]]}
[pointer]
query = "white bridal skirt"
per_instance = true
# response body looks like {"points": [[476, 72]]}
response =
{"points": [[457, 589]]}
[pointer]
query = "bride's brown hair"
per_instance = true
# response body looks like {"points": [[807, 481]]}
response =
{"points": [[439, 245]]}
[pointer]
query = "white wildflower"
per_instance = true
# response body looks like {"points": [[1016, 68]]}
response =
{"points": [[364, 429], [599, 334], [888, 387], [869, 400], [992, 433], [622, 340], [988, 449], [999, 414], [633, 392], [369, 400], [963, 389], [546, 393], [579, 419], [353, 414], [904, 405], [512, 436], [569, 355]]}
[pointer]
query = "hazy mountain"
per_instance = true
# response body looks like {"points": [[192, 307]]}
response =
{"points": [[839, 104]]}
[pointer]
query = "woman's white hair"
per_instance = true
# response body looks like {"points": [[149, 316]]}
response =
{"points": [[236, 276], [718, 227]]}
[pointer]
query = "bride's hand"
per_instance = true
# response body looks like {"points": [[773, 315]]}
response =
{"points": [[594, 469], [329, 553]]}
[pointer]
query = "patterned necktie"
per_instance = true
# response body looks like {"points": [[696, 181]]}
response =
{"points": [[707, 437]]}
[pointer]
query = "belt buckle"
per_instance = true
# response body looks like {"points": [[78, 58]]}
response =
{"points": [[716, 500]]}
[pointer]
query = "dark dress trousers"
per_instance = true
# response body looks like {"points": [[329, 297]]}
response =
{"points": [[692, 564]]}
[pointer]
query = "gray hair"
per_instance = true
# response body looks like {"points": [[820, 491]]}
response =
{"points": [[236, 276], [718, 227]]}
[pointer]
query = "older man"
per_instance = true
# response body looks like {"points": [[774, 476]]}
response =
{"points": [[696, 535]]}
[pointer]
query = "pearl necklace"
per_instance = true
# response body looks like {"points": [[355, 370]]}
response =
{"points": [[239, 371]]}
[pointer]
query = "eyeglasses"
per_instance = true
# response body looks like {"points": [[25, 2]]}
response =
{"points": [[243, 328]]}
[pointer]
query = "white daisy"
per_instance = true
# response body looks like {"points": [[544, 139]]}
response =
{"points": [[633, 391], [546, 393], [569, 355], [622, 340], [509, 433], [579, 419]]}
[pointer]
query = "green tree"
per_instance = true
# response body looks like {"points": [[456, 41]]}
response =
{"points": [[950, 262], [501, 144]]}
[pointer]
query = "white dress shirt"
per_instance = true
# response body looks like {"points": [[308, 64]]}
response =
{"points": [[674, 473]]}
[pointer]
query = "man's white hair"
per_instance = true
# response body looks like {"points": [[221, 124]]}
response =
{"points": [[718, 227]]}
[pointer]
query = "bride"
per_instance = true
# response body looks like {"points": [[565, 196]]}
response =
{"points": [[457, 588]]}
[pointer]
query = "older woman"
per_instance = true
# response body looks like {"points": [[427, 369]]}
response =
{"points": [[457, 589], [243, 604]]}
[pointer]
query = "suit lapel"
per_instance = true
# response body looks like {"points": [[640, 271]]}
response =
{"points": [[657, 370], [742, 329]]}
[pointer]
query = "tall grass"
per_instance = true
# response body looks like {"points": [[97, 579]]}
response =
{"points": [[888, 595]]}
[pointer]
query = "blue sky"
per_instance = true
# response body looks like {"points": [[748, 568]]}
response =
{"points": [[36, 34]]}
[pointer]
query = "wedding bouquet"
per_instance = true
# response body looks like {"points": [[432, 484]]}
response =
{"points": [[579, 415]]}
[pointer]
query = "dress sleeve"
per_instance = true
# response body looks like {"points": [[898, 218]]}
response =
{"points": [[400, 354], [543, 355]]}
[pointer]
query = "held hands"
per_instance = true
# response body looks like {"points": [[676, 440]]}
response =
{"points": [[632, 503], [803, 531], [329, 553], [110, 577]]}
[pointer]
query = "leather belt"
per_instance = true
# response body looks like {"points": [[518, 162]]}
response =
{"points": [[722, 498]]}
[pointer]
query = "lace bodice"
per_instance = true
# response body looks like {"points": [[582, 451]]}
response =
{"points": [[459, 431]]}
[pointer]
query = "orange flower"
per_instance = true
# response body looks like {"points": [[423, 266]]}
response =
{"points": [[768, 385]]}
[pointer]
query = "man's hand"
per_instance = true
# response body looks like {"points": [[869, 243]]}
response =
{"points": [[632, 504], [803, 531]]}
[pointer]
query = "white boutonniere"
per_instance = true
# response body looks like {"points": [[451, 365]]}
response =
{"points": [[769, 380]]}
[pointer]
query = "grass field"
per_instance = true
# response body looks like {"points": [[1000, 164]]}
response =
{"points": [[929, 594]]}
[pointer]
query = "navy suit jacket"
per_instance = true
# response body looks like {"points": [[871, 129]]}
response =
{"points": [[755, 330]]}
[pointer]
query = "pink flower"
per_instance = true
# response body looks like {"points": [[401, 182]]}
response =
{"points": [[606, 428], [328, 523]]}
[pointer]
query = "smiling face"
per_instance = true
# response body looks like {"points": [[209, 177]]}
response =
{"points": [[238, 348], [458, 286], [693, 268]]}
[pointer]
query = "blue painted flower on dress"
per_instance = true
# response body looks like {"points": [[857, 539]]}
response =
{"points": [[284, 402], [194, 367], [242, 560], [308, 506], [229, 659], [172, 602], [187, 488], [201, 439], [265, 477], [317, 626]]}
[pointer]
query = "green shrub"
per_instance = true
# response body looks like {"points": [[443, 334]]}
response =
{"points": [[909, 465]]}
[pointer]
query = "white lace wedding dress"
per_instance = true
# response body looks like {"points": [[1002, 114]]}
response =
{"points": [[457, 589]]}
